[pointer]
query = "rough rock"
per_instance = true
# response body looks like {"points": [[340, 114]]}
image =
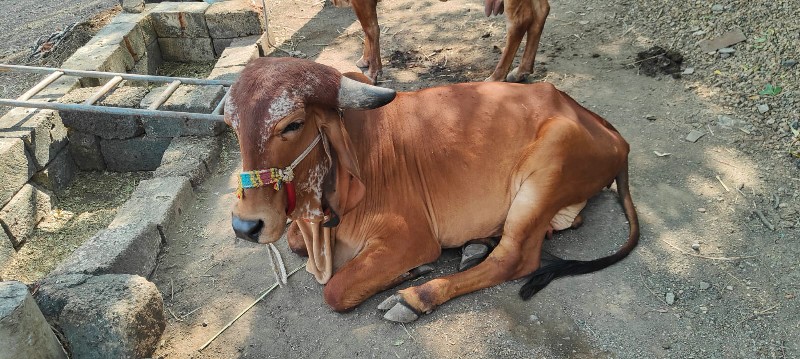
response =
{"points": [[24, 332], [107, 316], [25, 210], [105, 125], [133, 154], [228, 19], [192, 157], [16, 167], [85, 150]]}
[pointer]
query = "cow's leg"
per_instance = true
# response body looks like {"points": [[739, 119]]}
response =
{"points": [[541, 8], [515, 31], [371, 58], [517, 255], [383, 263]]}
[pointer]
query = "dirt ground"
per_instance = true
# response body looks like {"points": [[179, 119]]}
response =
{"points": [[735, 296]]}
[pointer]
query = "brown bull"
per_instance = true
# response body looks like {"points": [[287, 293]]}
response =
{"points": [[524, 18], [380, 187]]}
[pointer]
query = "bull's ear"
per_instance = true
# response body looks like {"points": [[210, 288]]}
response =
{"points": [[347, 190]]}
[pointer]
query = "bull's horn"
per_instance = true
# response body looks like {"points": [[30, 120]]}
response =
{"points": [[360, 96]]}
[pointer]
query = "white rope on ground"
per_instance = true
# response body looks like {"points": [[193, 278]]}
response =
{"points": [[276, 262]]}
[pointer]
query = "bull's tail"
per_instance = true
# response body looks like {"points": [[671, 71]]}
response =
{"points": [[562, 268]]}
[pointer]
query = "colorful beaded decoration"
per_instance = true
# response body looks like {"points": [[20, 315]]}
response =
{"points": [[272, 176]]}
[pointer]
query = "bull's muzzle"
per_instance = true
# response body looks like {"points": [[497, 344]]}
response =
{"points": [[247, 229]]}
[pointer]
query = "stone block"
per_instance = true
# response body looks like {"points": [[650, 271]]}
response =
{"points": [[133, 154], [226, 73], [132, 6], [108, 58], [220, 45], [187, 98], [106, 126], [85, 151], [131, 243], [107, 316], [190, 49], [58, 174], [239, 52], [175, 19], [127, 34], [24, 332], [42, 132], [7, 251], [148, 65], [16, 168], [23, 212], [236, 18], [192, 157], [59, 88]]}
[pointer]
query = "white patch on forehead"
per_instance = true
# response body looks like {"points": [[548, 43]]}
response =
{"points": [[281, 106]]}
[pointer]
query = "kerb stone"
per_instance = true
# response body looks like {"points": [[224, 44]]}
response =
{"points": [[228, 19], [107, 316], [42, 131], [192, 157], [180, 19], [131, 243], [23, 212], [134, 154], [24, 332], [85, 151], [58, 174], [106, 125], [188, 98], [190, 49], [16, 168]]}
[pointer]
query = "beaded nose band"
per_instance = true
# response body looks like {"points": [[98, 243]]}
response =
{"points": [[274, 177]]}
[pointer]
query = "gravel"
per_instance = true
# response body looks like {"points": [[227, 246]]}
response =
{"points": [[768, 56], [23, 22]]}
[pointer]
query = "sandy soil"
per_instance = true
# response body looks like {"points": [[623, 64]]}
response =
{"points": [[734, 297]]}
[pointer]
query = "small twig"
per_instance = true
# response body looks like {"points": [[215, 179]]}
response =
{"points": [[171, 291], [651, 291], [263, 295], [409, 333], [764, 219], [723, 184], [649, 58], [706, 257], [709, 129], [759, 313], [190, 313], [173, 315]]}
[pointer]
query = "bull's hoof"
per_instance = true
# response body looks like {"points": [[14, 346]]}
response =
{"points": [[401, 314], [398, 310], [362, 63], [388, 303], [516, 76]]}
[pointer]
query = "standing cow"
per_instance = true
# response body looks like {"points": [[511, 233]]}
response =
{"points": [[524, 18], [378, 182]]}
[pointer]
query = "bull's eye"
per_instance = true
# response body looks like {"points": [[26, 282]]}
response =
{"points": [[294, 126]]}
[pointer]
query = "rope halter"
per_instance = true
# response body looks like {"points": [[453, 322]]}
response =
{"points": [[275, 177]]}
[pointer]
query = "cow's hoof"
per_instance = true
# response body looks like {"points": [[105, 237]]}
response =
{"points": [[388, 303], [516, 76], [362, 63], [400, 313]]}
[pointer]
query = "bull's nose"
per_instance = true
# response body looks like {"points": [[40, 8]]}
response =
{"points": [[246, 229]]}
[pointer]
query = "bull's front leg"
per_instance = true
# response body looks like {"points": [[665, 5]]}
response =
{"points": [[371, 58], [517, 254], [385, 262]]}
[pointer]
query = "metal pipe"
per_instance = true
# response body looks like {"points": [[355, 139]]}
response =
{"points": [[165, 95], [221, 104], [103, 90], [99, 74], [110, 110], [40, 86]]}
